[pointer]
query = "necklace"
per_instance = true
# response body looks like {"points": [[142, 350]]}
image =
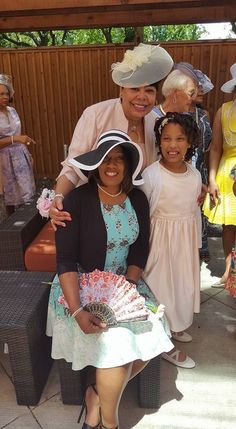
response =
{"points": [[110, 195], [134, 129], [161, 109]]}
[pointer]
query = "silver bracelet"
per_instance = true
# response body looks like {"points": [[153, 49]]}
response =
{"points": [[76, 312], [59, 195]]}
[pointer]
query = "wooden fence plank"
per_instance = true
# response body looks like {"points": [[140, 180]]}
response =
{"points": [[53, 86]]}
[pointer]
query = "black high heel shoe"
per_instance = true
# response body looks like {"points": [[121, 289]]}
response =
{"points": [[84, 407]]}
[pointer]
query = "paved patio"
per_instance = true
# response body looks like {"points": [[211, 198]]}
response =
{"points": [[201, 398]]}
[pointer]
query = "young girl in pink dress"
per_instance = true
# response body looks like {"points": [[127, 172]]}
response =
{"points": [[173, 186]]}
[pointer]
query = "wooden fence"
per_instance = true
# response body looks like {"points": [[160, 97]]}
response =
{"points": [[54, 85]]}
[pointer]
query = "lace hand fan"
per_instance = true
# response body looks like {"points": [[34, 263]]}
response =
{"points": [[110, 297]]}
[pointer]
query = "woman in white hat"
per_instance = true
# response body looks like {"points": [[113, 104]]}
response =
{"points": [[220, 204], [137, 76], [109, 232], [16, 161]]}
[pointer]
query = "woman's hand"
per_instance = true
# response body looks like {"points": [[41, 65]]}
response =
{"points": [[24, 139], [56, 213], [213, 190], [89, 323]]}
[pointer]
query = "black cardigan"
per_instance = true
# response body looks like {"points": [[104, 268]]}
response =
{"points": [[84, 239]]}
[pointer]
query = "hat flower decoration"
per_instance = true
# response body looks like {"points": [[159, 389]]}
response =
{"points": [[134, 58], [144, 65]]}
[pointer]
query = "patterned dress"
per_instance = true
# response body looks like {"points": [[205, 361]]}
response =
{"points": [[199, 162], [224, 213], [16, 163], [126, 342]]}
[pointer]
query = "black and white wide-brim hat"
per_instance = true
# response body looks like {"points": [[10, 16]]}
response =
{"points": [[107, 141]]}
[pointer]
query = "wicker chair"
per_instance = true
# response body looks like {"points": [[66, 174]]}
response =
{"points": [[16, 232], [23, 314]]}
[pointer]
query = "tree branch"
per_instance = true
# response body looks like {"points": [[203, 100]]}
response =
{"points": [[64, 36], [14, 41]]}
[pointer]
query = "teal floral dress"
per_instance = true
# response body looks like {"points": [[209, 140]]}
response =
{"points": [[126, 342]]}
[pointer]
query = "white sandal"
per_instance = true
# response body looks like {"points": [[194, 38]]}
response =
{"points": [[183, 337], [174, 358]]}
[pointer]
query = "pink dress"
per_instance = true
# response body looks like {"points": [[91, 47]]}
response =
{"points": [[16, 163], [173, 271]]}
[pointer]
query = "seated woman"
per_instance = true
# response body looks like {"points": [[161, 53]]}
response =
{"points": [[109, 231]]}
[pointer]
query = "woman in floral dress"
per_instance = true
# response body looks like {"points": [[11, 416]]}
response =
{"points": [[109, 231], [16, 162]]}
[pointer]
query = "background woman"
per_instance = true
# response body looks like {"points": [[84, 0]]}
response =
{"points": [[178, 90], [109, 231], [201, 116], [136, 76], [220, 205], [16, 161]]}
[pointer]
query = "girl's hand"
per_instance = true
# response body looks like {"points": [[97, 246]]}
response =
{"points": [[57, 214], [202, 196], [89, 323], [24, 139], [213, 190]]}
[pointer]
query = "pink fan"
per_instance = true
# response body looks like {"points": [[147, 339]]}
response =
{"points": [[111, 297]]}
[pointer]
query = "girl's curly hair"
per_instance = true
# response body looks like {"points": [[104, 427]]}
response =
{"points": [[188, 125]]}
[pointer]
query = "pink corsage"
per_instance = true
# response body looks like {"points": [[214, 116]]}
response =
{"points": [[44, 202]]}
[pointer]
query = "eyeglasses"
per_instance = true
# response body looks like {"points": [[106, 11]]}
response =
{"points": [[191, 94]]}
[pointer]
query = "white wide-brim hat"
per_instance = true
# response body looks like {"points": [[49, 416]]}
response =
{"points": [[142, 66], [230, 84], [90, 161]]}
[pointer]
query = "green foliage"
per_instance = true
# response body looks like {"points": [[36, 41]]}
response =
{"points": [[100, 36], [172, 32]]}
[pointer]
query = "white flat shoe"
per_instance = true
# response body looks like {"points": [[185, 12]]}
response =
{"points": [[183, 338], [218, 285], [173, 358]]}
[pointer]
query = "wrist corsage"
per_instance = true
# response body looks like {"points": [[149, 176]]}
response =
{"points": [[44, 202]]}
